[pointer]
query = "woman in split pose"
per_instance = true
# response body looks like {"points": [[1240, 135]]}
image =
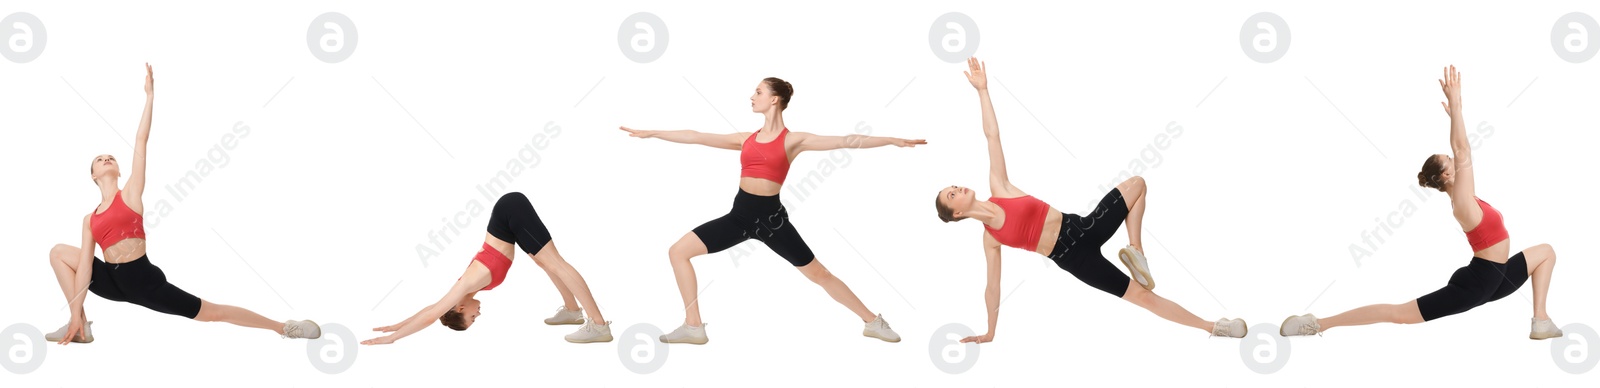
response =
{"points": [[757, 212], [1013, 218], [127, 274], [1493, 271], [512, 222]]}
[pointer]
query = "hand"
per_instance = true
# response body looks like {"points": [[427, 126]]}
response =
{"points": [[74, 328], [384, 340], [978, 339], [639, 133], [1451, 84], [149, 80], [977, 74], [387, 329], [906, 143]]}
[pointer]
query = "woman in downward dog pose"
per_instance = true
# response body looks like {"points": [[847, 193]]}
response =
{"points": [[1493, 272], [512, 222], [126, 274], [1015, 219], [757, 212]]}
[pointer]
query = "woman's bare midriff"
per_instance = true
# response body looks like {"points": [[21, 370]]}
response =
{"points": [[760, 186], [1499, 253], [1051, 230], [129, 249]]}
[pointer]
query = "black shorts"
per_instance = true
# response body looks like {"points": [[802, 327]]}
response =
{"points": [[1078, 246], [756, 217], [513, 220], [1481, 281], [141, 283]]}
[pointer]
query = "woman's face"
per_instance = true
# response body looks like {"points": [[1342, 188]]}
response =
{"points": [[958, 199], [763, 99], [470, 309], [104, 165], [1449, 174]]}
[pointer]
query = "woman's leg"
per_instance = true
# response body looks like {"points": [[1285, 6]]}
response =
{"points": [[568, 281], [686, 248], [836, 289], [1133, 191], [1163, 308], [1541, 262], [569, 301], [212, 312], [64, 260], [1406, 313]]}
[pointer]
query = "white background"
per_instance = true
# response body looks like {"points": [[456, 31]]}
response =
{"points": [[348, 167]]}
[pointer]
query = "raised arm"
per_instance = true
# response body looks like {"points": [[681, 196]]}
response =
{"points": [[1463, 192], [80, 283], [135, 186], [425, 317], [731, 141], [991, 291], [999, 182], [813, 142]]}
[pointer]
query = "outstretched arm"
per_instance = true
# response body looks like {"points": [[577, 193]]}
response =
{"points": [[425, 317], [731, 141], [999, 182], [991, 292], [135, 185], [397, 326], [1463, 191], [813, 142]]}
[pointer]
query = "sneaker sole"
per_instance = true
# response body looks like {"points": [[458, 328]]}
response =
{"points": [[1544, 336], [691, 342], [559, 323], [869, 335], [607, 338], [1128, 261]]}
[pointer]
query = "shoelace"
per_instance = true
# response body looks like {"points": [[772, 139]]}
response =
{"points": [[1309, 330], [1220, 329]]}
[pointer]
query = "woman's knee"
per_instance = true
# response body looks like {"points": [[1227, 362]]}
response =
{"points": [[1134, 186], [62, 252], [686, 248]]}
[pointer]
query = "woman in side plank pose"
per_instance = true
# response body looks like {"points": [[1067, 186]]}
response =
{"points": [[1015, 219]]}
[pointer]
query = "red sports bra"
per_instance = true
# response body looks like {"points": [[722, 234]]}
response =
{"points": [[1024, 221], [497, 262], [1491, 230], [768, 160], [117, 223]]}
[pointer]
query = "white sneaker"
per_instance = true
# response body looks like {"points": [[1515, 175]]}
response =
{"points": [[591, 332], [301, 329], [565, 317], [879, 329], [1542, 329], [1137, 266], [686, 335], [1225, 327], [86, 336], [1300, 325]]}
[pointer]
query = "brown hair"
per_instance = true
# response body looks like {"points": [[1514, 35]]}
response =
{"points": [[453, 320], [946, 214], [1432, 175], [782, 89]]}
